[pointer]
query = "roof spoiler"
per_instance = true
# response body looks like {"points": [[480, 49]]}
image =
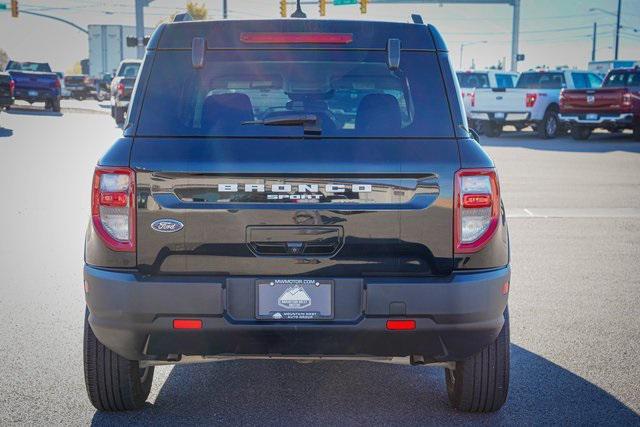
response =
{"points": [[416, 18], [183, 17]]}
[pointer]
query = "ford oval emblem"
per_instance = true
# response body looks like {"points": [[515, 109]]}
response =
{"points": [[167, 225]]}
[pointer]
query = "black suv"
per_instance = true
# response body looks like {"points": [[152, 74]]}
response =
{"points": [[296, 189]]}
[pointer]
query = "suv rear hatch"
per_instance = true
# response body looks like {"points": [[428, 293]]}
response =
{"points": [[289, 157]]}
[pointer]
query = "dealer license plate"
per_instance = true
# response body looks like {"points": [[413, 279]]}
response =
{"points": [[294, 299]]}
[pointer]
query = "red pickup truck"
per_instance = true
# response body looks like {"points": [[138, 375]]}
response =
{"points": [[615, 106]]}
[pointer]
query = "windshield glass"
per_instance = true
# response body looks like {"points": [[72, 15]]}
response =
{"points": [[541, 81], [473, 80], [351, 93], [29, 66], [129, 70], [622, 79]]}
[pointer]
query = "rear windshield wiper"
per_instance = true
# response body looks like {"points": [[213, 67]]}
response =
{"points": [[309, 122]]}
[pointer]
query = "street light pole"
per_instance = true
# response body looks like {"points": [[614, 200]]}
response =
{"points": [[463, 44], [225, 12], [140, 27], [593, 45], [618, 28]]}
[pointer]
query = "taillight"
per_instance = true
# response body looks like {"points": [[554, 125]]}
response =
{"points": [[113, 209], [626, 99], [12, 87], [57, 84], [120, 88], [531, 99], [87, 80], [472, 97], [476, 208], [563, 98]]}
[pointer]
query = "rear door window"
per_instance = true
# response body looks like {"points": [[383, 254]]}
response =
{"points": [[622, 78], [351, 94], [473, 80], [504, 80]]}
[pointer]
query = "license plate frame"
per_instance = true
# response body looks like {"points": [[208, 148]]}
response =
{"points": [[297, 300]]}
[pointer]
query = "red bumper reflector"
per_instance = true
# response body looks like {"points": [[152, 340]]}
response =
{"points": [[187, 324], [505, 288], [284, 38], [401, 325]]}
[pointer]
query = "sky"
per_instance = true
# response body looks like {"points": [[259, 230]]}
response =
{"points": [[552, 32]]}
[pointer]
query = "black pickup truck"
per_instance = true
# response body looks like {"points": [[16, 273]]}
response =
{"points": [[7, 87], [296, 189], [122, 87]]}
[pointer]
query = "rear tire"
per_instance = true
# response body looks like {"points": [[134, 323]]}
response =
{"points": [[55, 105], [480, 383], [550, 125], [580, 133], [492, 129], [113, 382], [118, 115]]}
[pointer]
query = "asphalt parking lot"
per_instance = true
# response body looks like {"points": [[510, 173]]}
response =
{"points": [[574, 212]]}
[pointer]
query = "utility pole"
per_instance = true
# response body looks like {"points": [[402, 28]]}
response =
{"points": [[618, 28], [225, 11], [593, 45], [515, 35], [140, 4]]}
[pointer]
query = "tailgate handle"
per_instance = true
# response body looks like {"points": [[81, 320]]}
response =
{"points": [[294, 240]]}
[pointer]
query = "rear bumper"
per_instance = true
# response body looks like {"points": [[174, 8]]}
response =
{"points": [[455, 317], [506, 117], [624, 119], [35, 95], [5, 101]]}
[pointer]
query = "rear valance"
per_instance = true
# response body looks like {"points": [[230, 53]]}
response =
{"points": [[232, 34]]}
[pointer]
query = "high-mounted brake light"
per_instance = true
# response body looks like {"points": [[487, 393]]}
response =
{"points": [[531, 99], [284, 38], [113, 208], [476, 209]]}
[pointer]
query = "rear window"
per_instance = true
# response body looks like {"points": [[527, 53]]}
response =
{"points": [[74, 79], [352, 94], [29, 66], [473, 80], [129, 70], [505, 80], [622, 79], [541, 81]]}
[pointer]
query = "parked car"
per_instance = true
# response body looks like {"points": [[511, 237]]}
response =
{"points": [[471, 80], [615, 106], [103, 87], [533, 102], [64, 93], [80, 86], [7, 87], [122, 86], [238, 218], [35, 82]]}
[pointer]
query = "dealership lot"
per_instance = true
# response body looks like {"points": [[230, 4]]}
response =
{"points": [[575, 233]]}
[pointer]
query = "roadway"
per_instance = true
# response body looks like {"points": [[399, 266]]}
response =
{"points": [[575, 298]]}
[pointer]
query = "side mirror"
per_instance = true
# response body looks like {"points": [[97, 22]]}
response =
{"points": [[475, 135]]}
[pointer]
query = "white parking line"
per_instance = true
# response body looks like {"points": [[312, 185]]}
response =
{"points": [[573, 213]]}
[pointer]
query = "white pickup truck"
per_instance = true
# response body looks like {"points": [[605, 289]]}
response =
{"points": [[533, 102], [470, 80]]}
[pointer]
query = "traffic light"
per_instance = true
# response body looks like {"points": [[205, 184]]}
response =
{"points": [[283, 8], [14, 8], [363, 6], [323, 7]]}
